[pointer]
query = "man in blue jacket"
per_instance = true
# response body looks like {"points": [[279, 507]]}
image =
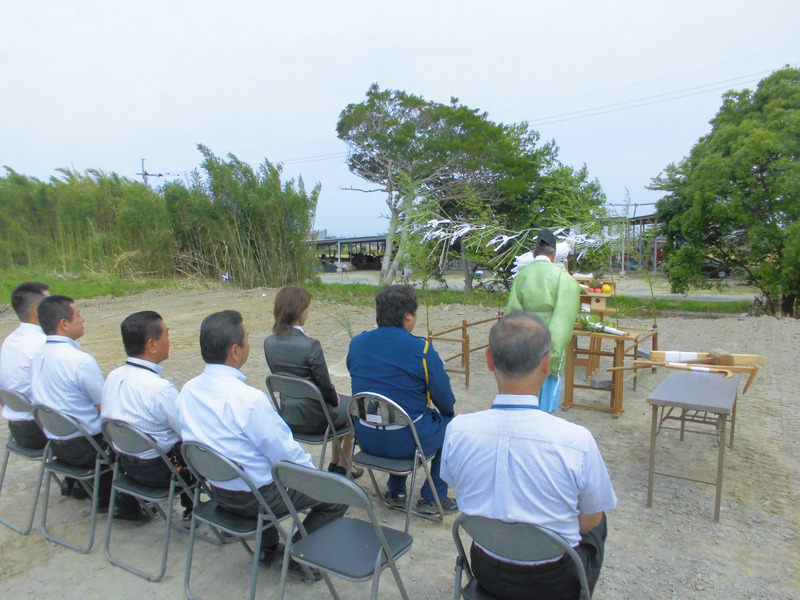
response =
{"points": [[392, 362]]}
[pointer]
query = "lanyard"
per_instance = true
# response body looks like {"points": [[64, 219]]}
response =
{"points": [[138, 366], [512, 406]]}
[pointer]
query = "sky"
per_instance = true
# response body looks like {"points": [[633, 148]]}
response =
{"points": [[624, 87]]}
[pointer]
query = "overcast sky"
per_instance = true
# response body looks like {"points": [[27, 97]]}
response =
{"points": [[624, 87]]}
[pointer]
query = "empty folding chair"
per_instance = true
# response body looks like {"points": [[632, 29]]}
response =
{"points": [[20, 403], [354, 549], [297, 387], [376, 410], [59, 424], [514, 541], [208, 464]]}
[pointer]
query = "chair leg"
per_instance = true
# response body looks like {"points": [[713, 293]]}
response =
{"points": [[192, 530], [36, 494], [457, 584]]}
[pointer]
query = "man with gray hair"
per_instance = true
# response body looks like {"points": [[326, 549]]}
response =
{"points": [[517, 463]]}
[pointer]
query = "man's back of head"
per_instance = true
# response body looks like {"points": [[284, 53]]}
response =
{"points": [[393, 303], [218, 333], [518, 344], [25, 297], [545, 244], [138, 328], [52, 310]]}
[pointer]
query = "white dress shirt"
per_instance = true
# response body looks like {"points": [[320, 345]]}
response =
{"points": [[219, 409], [69, 381], [520, 464], [15, 364], [137, 394]]}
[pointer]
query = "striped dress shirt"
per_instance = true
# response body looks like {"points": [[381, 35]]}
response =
{"points": [[69, 381], [219, 409], [137, 394], [520, 464]]}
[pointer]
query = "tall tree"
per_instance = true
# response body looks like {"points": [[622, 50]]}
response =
{"points": [[736, 197], [414, 149]]}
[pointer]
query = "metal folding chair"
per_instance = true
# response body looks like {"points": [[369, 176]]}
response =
{"points": [[296, 387], [208, 464], [353, 549], [20, 403], [130, 440], [377, 410], [515, 541], [59, 424]]}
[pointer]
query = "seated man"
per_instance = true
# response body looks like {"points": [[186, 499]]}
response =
{"points": [[392, 362], [218, 409], [70, 381], [15, 361], [517, 463], [137, 394]]}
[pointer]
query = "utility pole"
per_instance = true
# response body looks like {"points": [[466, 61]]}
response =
{"points": [[144, 173]]}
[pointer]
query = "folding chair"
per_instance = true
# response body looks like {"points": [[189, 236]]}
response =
{"points": [[515, 541], [59, 424], [353, 549], [20, 403], [130, 440], [296, 387], [208, 464], [379, 411]]}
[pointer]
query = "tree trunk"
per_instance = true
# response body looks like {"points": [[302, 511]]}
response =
{"points": [[789, 305], [408, 205], [385, 278]]}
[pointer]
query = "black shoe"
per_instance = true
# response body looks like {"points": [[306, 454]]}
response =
{"points": [[354, 474], [135, 514], [187, 514], [270, 555], [428, 507], [296, 570], [395, 499], [78, 492], [66, 486]]}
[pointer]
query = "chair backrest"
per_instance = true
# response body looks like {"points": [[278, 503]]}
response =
{"points": [[376, 409], [60, 424], [128, 439], [294, 387], [322, 486], [15, 400], [516, 541]]}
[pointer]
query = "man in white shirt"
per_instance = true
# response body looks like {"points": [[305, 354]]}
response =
{"points": [[70, 381], [219, 409], [518, 463], [15, 361], [137, 394]]}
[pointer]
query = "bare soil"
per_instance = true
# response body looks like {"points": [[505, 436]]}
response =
{"points": [[673, 550]]}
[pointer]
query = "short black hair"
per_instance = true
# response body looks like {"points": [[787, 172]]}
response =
{"points": [[518, 342], [139, 327], [218, 332], [393, 303], [27, 295], [52, 309]]}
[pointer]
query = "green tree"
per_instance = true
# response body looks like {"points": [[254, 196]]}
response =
{"points": [[451, 162], [736, 197]]}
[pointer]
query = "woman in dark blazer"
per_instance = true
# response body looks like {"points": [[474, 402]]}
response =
{"points": [[290, 352]]}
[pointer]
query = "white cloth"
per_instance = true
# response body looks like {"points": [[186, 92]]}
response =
{"points": [[219, 409], [69, 381], [139, 396], [15, 364], [525, 465]]}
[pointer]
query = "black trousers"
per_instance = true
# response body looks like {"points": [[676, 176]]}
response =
{"points": [[551, 581], [154, 473], [246, 504], [28, 434], [78, 452]]}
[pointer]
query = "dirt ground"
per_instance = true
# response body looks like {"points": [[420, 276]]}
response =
{"points": [[673, 550]]}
